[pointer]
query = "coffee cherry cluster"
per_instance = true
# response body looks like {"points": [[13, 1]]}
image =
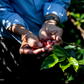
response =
{"points": [[44, 42]]}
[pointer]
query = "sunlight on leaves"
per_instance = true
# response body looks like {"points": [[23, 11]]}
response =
{"points": [[81, 62], [70, 78], [59, 51], [50, 61], [64, 66], [74, 62]]}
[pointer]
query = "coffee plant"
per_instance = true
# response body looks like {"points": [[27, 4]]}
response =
{"points": [[67, 61], [68, 58]]}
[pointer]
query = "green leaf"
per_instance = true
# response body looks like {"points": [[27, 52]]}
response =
{"points": [[74, 62], [78, 23], [82, 16], [64, 66], [50, 61], [61, 59], [82, 20], [59, 51], [70, 78], [81, 62], [72, 14], [77, 15], [71, 53], [69, 47], [79, 56], [80, 53]]}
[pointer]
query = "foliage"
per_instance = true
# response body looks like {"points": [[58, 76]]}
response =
{"points": [[79, 18], [66, 63], [76, 12], [67, 59], [62, 57], [70, 57]]}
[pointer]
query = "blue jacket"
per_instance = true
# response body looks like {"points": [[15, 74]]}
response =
{"points": [[29, 13]]}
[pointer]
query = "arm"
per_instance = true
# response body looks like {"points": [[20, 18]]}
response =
{"points": [[12, 22], [58, 8], [7, 15]]}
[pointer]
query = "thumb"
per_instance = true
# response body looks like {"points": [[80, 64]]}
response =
{"points": [[34, 43], [40, 44], [58, 38]]}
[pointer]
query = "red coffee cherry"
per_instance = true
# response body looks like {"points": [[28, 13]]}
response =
{"points": [[44, 42], [50, 38], [51, 43]]}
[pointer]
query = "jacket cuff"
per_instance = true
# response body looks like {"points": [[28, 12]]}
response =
{"points": [[51, 8], [12, 19]]}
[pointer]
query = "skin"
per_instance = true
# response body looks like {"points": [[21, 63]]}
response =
{"points": [[29, 40]]}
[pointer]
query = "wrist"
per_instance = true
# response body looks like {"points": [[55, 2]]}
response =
{"points": [[50, 22], [18, 29], [52, 19]]}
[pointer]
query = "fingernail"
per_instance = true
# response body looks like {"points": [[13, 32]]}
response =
{"points": [[40, 44], [58, 38]]}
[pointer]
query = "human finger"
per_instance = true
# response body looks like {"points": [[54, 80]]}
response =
{"points": [[58, 38], [57, 42], [34, 43]]}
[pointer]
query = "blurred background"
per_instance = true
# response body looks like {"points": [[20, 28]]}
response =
{"points": [[74, 27]]}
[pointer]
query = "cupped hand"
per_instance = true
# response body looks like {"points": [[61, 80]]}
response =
{"points": [[29, 43], [51, 30]]}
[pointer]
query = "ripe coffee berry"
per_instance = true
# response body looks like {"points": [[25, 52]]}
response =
{"points": [[51, 43], [50, 38], [44, 42]]}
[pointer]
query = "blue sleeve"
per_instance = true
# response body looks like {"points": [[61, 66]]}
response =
{"points": [[7, 15], [57, 7]]}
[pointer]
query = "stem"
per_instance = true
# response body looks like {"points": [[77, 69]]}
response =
{"points": [[73, 44], [77, 26]]}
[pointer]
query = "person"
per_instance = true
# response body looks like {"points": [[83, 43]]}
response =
{"points": [[23, 23]]}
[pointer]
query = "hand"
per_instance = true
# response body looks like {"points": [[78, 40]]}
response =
{"points": [[49, 29], [30, 41]]}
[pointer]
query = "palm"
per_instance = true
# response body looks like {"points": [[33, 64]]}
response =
{"points": [[49, 30]]}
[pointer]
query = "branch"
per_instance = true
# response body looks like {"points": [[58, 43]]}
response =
{"points": [[78, 27]]}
